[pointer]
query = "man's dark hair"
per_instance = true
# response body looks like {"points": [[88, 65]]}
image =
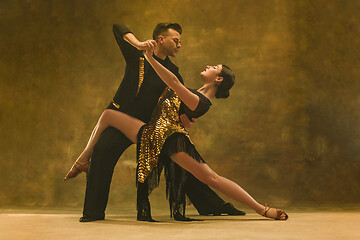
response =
{"points": [[162, 28]]}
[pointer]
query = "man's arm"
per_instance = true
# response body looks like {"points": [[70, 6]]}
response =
{"points": [[130, 38], [128, 43]]}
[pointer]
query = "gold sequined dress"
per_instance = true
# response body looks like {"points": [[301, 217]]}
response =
{"points": [[164, 136]]}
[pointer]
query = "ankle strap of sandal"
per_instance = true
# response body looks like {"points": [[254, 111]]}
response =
{"points": [[267, 208]]}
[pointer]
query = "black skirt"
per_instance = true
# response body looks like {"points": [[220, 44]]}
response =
{"points": [[174, 174]]}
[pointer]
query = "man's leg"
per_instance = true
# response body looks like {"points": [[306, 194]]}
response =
{"points": [[180, 182], [205, 200], [111, 144]]}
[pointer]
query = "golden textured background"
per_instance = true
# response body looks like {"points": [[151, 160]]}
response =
{"points": [[289, 133]]}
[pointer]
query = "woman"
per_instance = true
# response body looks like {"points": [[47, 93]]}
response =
{"points": [[164, 135]]}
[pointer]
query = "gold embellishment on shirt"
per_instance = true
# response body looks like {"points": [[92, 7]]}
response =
{"points": [[141, 73], [115, 104], [164, 122]]}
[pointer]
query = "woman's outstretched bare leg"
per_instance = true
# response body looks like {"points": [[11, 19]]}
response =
{"points": [[205, 174], [128, 125]]}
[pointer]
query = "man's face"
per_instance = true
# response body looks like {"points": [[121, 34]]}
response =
{"points": [[171, 42]]}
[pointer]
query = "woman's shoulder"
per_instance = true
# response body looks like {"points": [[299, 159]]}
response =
{"points": [[202, 97]]}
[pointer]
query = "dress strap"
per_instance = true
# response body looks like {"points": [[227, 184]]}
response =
{"points": [[166, 93]]}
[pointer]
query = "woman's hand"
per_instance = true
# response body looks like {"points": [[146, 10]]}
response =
{"points": [[149, 47], [144, 45]]}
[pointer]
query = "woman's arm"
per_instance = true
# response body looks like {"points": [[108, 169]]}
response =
{"points": [[190, 99]]}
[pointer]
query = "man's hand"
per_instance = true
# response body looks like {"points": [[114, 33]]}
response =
{"points": [[186, 121]]}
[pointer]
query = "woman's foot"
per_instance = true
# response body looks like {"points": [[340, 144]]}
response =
{"points": [[147, 218], [76, 169], [143, 204], [144, 213], [274, 213], [179, 217]]}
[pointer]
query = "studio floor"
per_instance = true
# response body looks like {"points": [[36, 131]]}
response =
{"points": [[57, 224]]}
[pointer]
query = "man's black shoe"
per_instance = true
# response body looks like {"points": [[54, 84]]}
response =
{"points": [[226, 209], [229, 209]]}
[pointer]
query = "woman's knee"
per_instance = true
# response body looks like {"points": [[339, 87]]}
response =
{"points": [[211, 179], [105, 115]]}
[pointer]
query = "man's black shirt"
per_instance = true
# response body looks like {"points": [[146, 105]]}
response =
{"points": [[139, 105]]}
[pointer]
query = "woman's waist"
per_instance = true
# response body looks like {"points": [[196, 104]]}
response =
{"points": [[167, 115], [166, 123]]}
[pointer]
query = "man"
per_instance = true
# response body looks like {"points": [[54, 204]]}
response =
{"points": [[137, 96]]}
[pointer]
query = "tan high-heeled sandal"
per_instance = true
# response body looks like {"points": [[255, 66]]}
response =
{"points": [[76, 169], [279, 212]]}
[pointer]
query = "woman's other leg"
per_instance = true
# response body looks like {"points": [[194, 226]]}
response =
{"points": [[126, 124]]}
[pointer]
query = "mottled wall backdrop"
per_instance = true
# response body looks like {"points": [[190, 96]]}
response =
{"points": [[289, 133]]}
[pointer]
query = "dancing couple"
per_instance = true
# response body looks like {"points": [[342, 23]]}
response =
{"points": [[151, 108]]}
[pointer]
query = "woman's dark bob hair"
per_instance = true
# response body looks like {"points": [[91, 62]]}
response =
{"points": [[227, 82]]}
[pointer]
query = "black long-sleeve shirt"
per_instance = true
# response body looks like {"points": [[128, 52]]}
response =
{"points": [[139, 105]]}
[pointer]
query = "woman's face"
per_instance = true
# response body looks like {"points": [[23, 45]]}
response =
{"points": [[211, 72]]}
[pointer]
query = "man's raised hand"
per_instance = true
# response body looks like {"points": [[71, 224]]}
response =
{"points": [[186, 122]]}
